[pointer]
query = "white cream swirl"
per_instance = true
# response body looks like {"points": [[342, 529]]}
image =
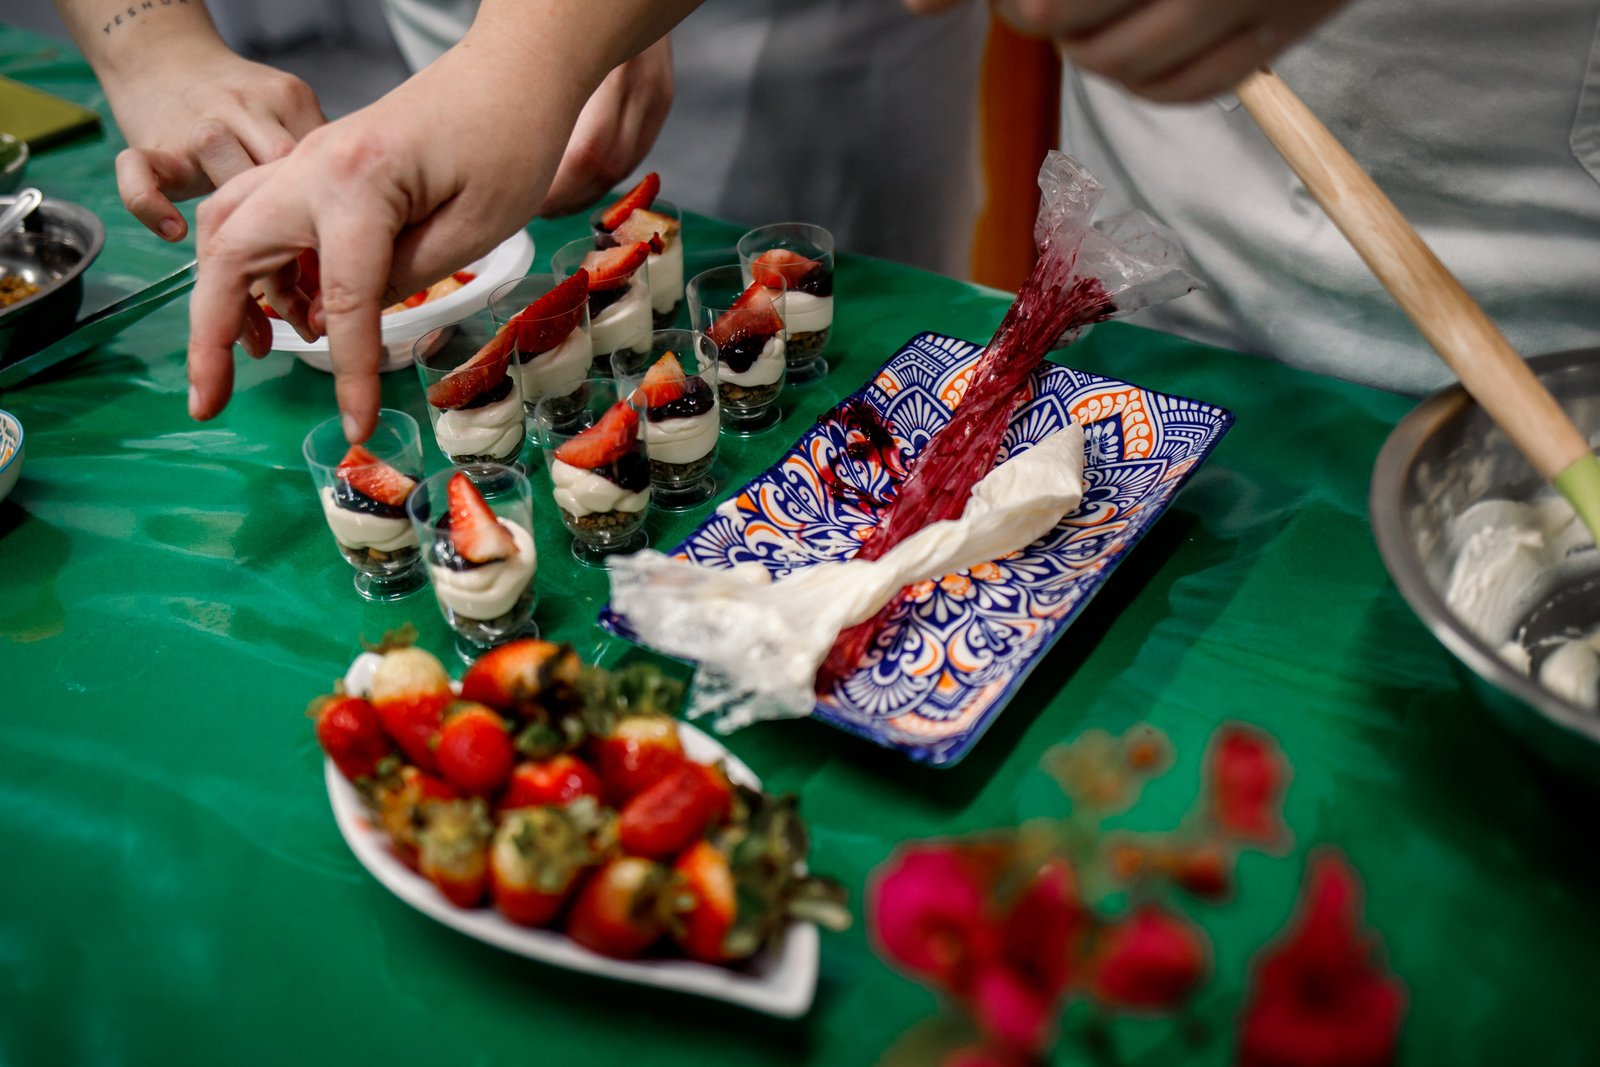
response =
{"points": [[362, 529], [681, 440], [626, 323], [766, 369], [495, 429], [666, 276], [558, 371], [579, 492], [489, 591], [804, 313]]}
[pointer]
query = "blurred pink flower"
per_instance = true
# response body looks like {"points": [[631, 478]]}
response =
{"points": [[927, 909], [1319, 999], [1150, 961], [1247, 774]]}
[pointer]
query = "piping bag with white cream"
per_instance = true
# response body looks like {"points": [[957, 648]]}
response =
{"points": [[760, 643]]}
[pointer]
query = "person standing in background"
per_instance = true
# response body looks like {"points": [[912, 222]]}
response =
{"points": [[855, 115]]}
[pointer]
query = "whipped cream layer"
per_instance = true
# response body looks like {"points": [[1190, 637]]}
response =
{"points": [[804, 313], [579, 492], [766, 369], [666, 276], [682, 440], [361, 529], [495, 429], [1510, 557], [626, 323], [489, 591], [558, 371]]}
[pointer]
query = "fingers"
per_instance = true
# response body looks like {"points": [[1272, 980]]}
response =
{"points": [[1154, 40], [1219, 70], [144, 197], [217, 149], [356, 245], [1053, 18]]}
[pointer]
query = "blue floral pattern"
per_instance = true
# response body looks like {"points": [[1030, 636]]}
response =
{"points": [[957, 649]]}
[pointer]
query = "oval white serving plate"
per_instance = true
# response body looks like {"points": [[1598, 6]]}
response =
{"points": [[780, 981], [510, 259]]}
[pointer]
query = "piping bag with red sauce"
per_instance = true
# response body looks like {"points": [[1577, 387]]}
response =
{"points": [[765, 647]]}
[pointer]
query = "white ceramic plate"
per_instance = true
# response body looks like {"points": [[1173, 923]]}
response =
{"points": [[780, 981], [511, 259]]}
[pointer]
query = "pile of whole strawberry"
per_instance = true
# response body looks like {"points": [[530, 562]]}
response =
{"points": [[562, 794]]}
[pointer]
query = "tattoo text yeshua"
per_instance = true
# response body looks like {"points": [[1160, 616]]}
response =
{"points": [[134, 10]]}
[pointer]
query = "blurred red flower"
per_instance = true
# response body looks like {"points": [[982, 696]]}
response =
{"points": [[1319, 999], [1247, 774], [1150, 961], [927, 907]]}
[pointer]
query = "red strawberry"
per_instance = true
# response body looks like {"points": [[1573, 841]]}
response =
{"points": [[310, 272], [752, 315], [656, 230], [474, 529], [555, 782], [622, 910], [373, 478], [464, 277], [483, 372], [614, 436], [349, 731], [664, 382], [517, 677], [546, 322], [705, 924], [410, 691], [670, 815], [453, 850], [639, 751], [538, 855], [778, 263], [640, 196], [610, 268], [401, 800], [474, 751]]}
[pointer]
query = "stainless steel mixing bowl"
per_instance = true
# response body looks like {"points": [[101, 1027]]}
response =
{"points": [[53, 248], [1442, 458]]}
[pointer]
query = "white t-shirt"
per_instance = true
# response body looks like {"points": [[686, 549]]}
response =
{"points": [[851, 114], [1479, 118]]}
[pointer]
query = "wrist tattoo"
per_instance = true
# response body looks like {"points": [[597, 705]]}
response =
{"points": [[137, 8]]}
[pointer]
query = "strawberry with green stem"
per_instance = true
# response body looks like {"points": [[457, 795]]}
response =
{"points": [[453, 850], [538, 855], [410, 691], [350, 732], [474, 750]]}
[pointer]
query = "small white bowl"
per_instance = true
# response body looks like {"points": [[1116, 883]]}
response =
{"points": [[12, 451], [510, 259]]}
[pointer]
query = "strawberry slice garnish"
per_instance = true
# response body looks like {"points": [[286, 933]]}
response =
{"points": [[483, 372], [373, 478], [610, 268], [751, 316], [778, 263], [665, 382], [476, 532], [640, 196], [605, 442], [546, 322], [648, 226]]}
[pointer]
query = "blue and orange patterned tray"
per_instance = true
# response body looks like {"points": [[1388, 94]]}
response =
{"points": [[959, 648]]}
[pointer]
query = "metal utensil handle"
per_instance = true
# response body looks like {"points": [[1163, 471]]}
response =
{"points": [[21, 207], [1453, 323]]}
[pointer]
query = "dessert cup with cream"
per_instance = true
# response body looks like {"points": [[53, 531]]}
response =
{"points": [[802, 255], [553, 352], [599, 473], [473, 393], [745, 321], [666, 266], [620, 316], [677, 383], [362, 491], [488, 602]]}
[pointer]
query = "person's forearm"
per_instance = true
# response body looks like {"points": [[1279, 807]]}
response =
{"points": [[118, 35], [586, 39]]}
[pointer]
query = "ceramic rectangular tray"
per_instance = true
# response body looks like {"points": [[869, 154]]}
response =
{"points": [[958, 649]]}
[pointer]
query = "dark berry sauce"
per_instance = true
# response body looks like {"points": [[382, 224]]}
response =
{"points": [[350, 498], [630, 472], [444, 549], [818, 281], [600, 299], [741, 355], [697, 399], [490, 396]]}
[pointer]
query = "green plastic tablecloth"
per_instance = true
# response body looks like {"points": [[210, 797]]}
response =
{"points": [[176, 891]]}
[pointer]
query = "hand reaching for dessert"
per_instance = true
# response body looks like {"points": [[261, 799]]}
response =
{"points": [[1172, 51], [616, 129], [392, 197]]}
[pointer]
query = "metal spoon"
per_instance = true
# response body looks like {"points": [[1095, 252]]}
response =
{"points": [[21, 207]]}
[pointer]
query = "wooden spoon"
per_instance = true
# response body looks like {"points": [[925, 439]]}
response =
{"points": [[1453, 323]]}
